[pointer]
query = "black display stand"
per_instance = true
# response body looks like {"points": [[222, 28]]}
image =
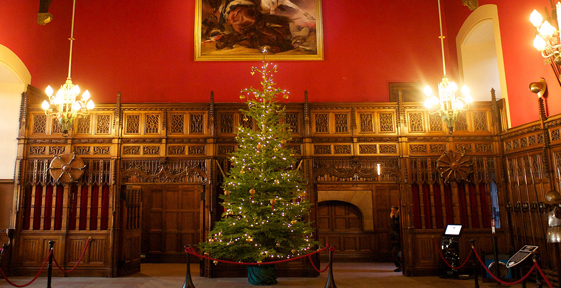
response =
{"points": [[451, 250]]}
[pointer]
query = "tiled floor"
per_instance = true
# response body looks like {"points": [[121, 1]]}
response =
{"points": [[350, 275]]}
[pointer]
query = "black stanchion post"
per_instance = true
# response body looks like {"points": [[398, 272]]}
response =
{"points": [[535, 258], [475, 273], [188, 282], [50, 267], [522, 275], [330, 281]]}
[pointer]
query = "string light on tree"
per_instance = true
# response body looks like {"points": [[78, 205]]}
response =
{"points": [[263, 171]]}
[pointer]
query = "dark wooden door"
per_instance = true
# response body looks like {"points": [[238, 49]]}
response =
{"points": [[171, 220], [131, 209], [340, 225]]}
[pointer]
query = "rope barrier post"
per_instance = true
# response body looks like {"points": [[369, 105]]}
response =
{"points": [[188, 282], [474, 265], [50, 267], [535, 258], [521, 275], [330, 282]]}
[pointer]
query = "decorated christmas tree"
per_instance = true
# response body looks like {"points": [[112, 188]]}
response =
{"points": [[264, 192]]}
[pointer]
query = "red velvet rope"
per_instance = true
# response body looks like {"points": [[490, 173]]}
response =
{"points": [[501, 281], [314, 265], [192, 251], [79, 260], [446, 262], [543, 275], [32, 280]]}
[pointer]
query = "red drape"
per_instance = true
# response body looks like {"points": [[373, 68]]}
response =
{"points": [[83, 207], [427, 206], [38, 204], [58, 209], [27, 215], [48, 207], [437, 206], [449, 205], [474, 209], [93, 213], [485, 217], [462, 204]]}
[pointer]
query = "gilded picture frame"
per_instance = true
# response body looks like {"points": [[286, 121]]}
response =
{"points": [[235, 30]]}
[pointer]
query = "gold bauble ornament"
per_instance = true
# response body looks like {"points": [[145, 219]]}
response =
{"points": [[293, 251], [277, 181], [245, 119], [251, 191], [293, 222], [275, 149], [215, 262], [259, 146], [285, 96], [278, 244], [242, 172], [242, 97], [283, 141]]}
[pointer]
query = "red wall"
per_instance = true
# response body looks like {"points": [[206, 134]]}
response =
{"points": [[144, 49], [523, 63]]}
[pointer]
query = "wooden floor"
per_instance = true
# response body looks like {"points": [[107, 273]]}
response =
{"points": [[173, 275]]}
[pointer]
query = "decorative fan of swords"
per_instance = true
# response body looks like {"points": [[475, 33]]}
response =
{"points": [[67, 168]]}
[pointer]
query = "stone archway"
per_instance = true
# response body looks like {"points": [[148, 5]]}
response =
{"points": [[362, 199]]}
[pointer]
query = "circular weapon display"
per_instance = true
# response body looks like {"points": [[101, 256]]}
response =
{"points": [[67, 168]]}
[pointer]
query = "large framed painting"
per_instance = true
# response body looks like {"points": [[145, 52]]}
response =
{"points": [[231, 30]]}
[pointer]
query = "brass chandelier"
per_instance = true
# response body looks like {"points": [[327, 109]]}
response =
{"points": [[64, 105], [547, 39], [447, 104]]}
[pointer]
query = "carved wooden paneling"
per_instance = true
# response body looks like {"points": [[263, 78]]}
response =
{"points": [[292, 119], [98, 250], [152, 124], [461, 123], [227, 123], [435, 123], [131, 150], [84, 124], [132, 124], [226, 149], [37, 150], [322, 149], [341, 149], [82, 150], [483, 147], [386, 122], [196, 124], [368, 148], [176, 150], [196, 150], [480, 121], [56, 150], [151, 150], [437, 148], [177, 124], [55, 127], [246, 122], [39, 123], [296, 149], [103, 124], [388, 148], [322, 123], [416, 123], [101, 150], [366, 124], [555, 135], [463, 147], [341, 123], [418, 148]]}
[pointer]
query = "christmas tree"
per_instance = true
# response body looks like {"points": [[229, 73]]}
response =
{"points": [[264, 192]]}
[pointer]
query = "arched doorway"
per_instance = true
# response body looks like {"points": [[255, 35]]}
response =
{"points": [[340, 224], [480, 55]]}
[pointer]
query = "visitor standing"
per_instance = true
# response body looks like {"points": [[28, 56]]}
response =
{"points": [[395, 238]]}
